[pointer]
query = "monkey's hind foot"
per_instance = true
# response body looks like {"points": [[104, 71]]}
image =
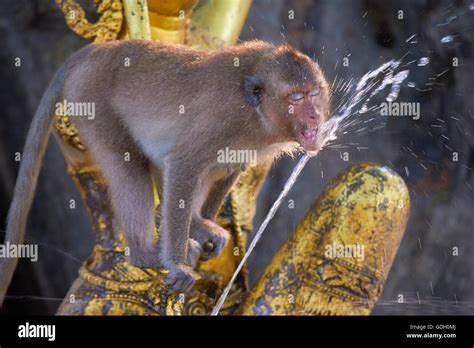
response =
{"points": [[210, 236]]}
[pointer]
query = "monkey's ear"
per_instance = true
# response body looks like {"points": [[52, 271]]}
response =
{"points": [[253, 89]]}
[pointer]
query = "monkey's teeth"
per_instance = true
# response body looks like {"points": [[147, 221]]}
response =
{"points": [[310, 134]]}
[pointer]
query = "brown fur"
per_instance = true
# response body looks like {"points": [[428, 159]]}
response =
{"points": [[137, 107]]}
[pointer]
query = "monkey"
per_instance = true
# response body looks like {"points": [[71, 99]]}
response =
{"points": [[172, 108]]}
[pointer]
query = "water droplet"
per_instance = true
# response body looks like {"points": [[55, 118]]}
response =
{"points": [[446, 39], [410, 38], [424, 61], [396, 82], [450, 19]]}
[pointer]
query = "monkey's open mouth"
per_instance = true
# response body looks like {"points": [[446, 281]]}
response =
{"points": [[310, 134], [308, 139]]}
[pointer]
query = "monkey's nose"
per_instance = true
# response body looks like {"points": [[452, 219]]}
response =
{"points": [[315, 114], [318, 113]]}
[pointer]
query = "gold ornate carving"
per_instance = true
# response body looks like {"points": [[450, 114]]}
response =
{"points": [[68, 132], [367, 208], [105, 29]]}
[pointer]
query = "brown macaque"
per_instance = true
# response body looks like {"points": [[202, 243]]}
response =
{"points": [[173, 108]]}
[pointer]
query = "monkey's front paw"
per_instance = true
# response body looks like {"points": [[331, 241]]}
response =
{"points": [[181, 278], [194, 252], [210, 236]]}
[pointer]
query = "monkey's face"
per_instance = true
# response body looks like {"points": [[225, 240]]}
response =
{"points": [[292, 97], [299, 108], [307, 106]]}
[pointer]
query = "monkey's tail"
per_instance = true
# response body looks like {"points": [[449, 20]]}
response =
{"points": [[30, 165]]}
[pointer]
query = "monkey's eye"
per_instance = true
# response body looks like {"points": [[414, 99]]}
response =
{"points": [[296, 96], [315, 91]]}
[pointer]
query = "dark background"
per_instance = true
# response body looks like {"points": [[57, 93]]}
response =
{"points": [[426, 272]]}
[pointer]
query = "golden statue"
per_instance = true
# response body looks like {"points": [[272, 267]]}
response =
{"points": [[365, 206]]}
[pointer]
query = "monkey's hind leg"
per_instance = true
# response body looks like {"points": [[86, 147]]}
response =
{"points": [[131, 196]]}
